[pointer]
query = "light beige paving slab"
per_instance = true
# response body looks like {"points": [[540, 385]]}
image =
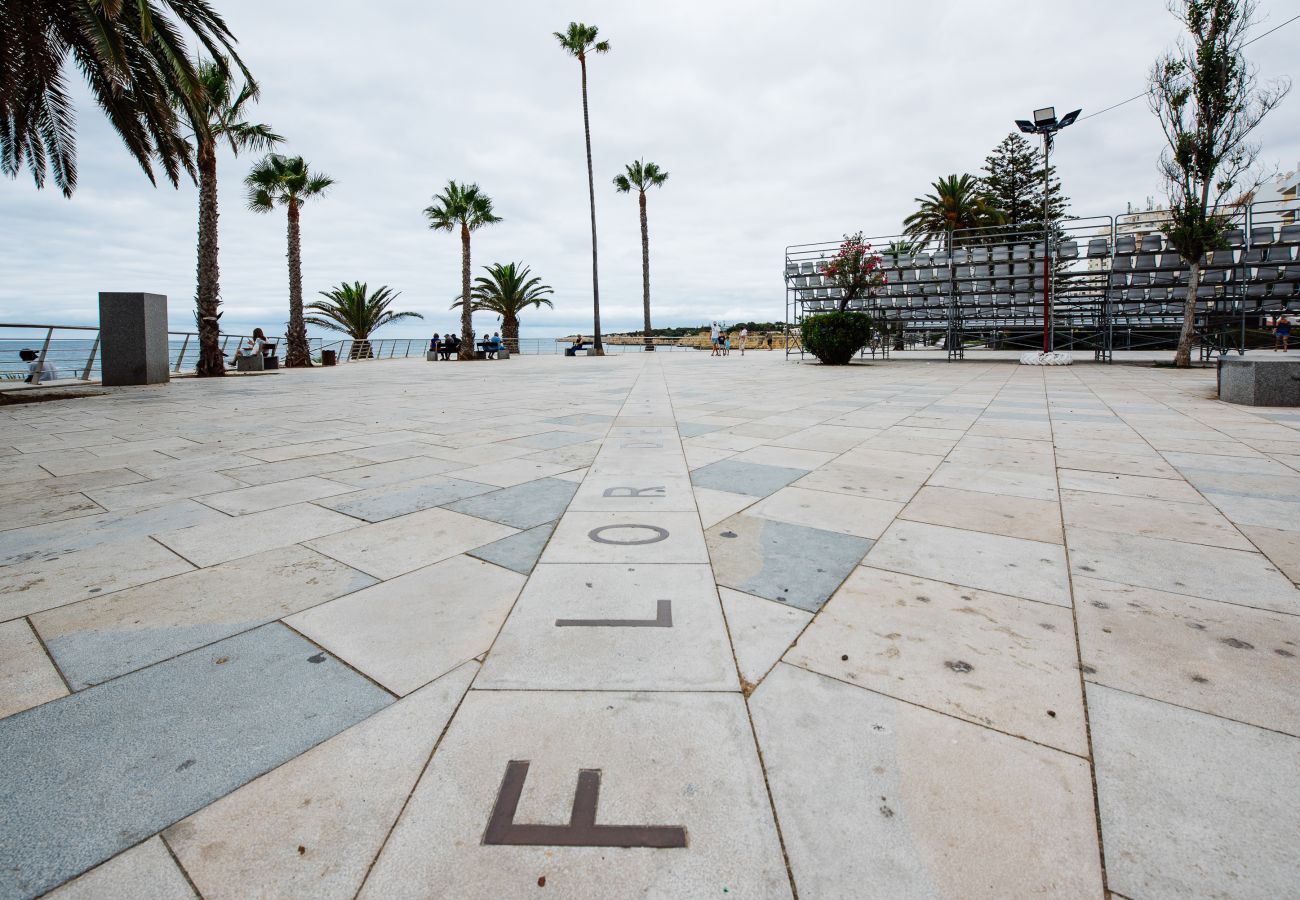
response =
{"points": [[146, 870], [597, 649], [861, 516], [627, 537], [1192, 805], [396, 546], [879, 798], [56, 578], [1281, 547], [218, 542], [864, 481], [27, 677], [829, 438], [1003, 565], [243, 501], [995, 660], [1005, 514], [905, 439], [697, 456], [20, 511], [409, 630], [1034, 484], [314, 825], [1147, 464], [786, 457], [163, 490], [1017, 460], [306, 448], [395, 472], [669, 759], [510, 472], [761, 631], [1194, 523], [290, 469], [78, 462], [1213, 573], [1130, 485], [1219, 658], [915, 462], [608, 493], [714, 506]]}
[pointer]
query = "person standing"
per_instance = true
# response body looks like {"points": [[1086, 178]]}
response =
{"points": [[726, 343], [713, 337], [1282, 333], [744, 337]]}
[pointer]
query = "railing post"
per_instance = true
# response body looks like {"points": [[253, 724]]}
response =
{"points": [[180, 357], [45, 348], [90, 360]]}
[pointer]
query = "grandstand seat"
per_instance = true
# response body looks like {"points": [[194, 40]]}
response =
{"points": [[1068, 250], [1020, 252], [1021, 268], [1122, 264], [1125, 245], [1139, 279], [979, 256], [807, 268], [1260, 235], [1234, 238], [1098, 248], [1146, 263], [1266, 273], [1290, 234], [1215, 276], [921, 260], [1281, 255], [1152, 243], [1222, 259], [1001, 253], [1291, 273]]}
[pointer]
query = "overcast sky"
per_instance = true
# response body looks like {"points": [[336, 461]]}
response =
{"points": [[780, 123]]}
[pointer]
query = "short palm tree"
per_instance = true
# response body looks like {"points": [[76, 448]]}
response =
{"points": [[578, 41], [959, 203], [466, 207], [354, 311], [642, 175], [135, 61], [224, 123], [287, 181], [507, 290]]}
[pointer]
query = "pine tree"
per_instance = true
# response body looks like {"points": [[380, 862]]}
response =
{"points": [[1014, 179]]}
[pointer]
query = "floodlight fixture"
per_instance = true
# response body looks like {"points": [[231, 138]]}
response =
{"points": [[1045, 116], [1026, 126], [1068, 118]]}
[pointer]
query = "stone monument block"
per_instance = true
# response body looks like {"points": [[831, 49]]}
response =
{"points": [[133, 339], [1255, 381]]}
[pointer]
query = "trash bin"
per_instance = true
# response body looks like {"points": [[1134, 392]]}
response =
{"points": [[329, 357]]}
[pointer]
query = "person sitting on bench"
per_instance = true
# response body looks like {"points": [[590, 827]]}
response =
{"points": [[450, 345], [37, 369], [254, 346], [573, 349], [434, 343]]}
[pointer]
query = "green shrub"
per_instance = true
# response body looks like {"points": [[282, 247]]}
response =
{"points": [[834, 337]]}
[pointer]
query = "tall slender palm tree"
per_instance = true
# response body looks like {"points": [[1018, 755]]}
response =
{"points": [[354, 311], [223, 123], [578, 41], [959, 203], [466, 207], [286, 180], [134, 59], [507, 290], [642, 176]]}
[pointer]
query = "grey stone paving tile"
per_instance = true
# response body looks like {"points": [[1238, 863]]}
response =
{"points": [[789, 563], [518, 552], [289, 469], [695, 429], [146, 870], [161, 491], [755, 479], [522, 506], [1192, 805], [550, 440], [27, 677], [218, 542], [92, 774], [59, 537], [396, 472], [880, 798], [581, 419], [103, 637], [246, 500], [761, 631], [337, 802], [381, 503]]}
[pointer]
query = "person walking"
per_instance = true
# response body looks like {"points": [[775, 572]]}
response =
{"points": [[744, 337], [1282, 333], [713, 337]]}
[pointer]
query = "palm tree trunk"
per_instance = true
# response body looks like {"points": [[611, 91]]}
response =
{"points": [[466, 312], [645, 269], [1183, 356], [208, 297], [298, 355], [510, 332], [597, 345]]}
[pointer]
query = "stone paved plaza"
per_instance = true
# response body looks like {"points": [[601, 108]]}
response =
{"points": [[652, 626]]}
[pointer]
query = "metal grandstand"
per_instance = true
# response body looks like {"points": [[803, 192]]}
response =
{"points": [[1114, 285]]}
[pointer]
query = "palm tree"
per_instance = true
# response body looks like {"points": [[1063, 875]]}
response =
{"points": [[642, 175], [357, 313], [579, 40], [958, 203], [507, 291], [135, 61], [466, 207], [223, 122], [287, 181]]}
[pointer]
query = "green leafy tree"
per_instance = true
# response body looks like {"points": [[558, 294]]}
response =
{"points": [[464, 207], [957, 204], [352, 310], [641, 176], [507, 290], [579, 41], [1013, 181], [134, 59], [224, 123], [1208, 100], [288, 182], [855, 269]]}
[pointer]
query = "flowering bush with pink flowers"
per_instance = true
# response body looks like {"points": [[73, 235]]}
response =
{"points": [[855, 269]]}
